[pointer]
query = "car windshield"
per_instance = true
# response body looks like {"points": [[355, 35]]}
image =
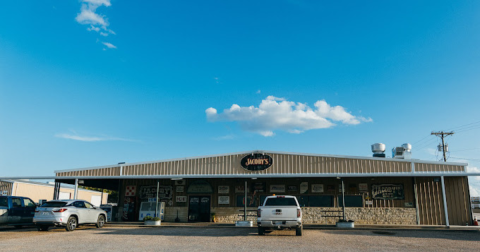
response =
{"points": [[54, 204], [281, 202]]}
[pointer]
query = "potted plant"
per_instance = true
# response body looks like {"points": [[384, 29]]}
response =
{"points": [[152, 221], [214, 217], [345, 224]]}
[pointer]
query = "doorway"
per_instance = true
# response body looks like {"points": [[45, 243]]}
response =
{"points": [[199, 209]]}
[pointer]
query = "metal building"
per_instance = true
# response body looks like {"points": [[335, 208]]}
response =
{"points": [[378, 190]]}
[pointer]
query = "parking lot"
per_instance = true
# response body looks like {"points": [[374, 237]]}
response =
{"points": [[234, 239]]}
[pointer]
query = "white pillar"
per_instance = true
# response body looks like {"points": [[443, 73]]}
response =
{"points": [[445, 202], [75, 194]]}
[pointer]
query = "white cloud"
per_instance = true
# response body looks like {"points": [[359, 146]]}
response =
{"points": [[88, 15], [275, 113], [93, 28], [259, 91], [109, 45], [226, 137], [76, 137], [474, 181], [474, 192], [98, 2]]}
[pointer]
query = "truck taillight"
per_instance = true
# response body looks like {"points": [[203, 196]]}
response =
{"points": [[61, 210], [259, 213], [299, 213]]}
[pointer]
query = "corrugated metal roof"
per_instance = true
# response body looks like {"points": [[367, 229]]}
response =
{"points": [[284, 163]]}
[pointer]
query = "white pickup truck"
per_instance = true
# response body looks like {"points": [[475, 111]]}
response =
{"points": [[280, 212]]}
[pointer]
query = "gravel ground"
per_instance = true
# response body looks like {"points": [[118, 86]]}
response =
{"points": [[234, 239]]}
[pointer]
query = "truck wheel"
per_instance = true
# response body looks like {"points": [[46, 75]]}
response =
{"points": [[100, 221], [42, 228], [261, 231], [299, 231], [71, 224]]}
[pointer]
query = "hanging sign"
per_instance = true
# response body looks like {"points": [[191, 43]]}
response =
{"points": [[388, 192], [256, 162]]}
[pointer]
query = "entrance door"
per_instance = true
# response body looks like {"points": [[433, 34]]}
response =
{"points": [[199, 208]]}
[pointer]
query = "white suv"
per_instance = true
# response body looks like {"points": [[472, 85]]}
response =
{"points": [[68, 214]]}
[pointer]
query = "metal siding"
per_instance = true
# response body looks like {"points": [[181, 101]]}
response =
{"points": [[456, 190], [282, 164]]}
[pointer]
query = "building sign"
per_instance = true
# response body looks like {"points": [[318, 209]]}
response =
{"points": [[179, 189], [363, 187], [317, 188], [292, 188], [180, 199], [224, 200], [258, 187], [200, 186], [277, 188], [256, 162], [388, 192], [225, 189], [304, 187], [130, 191], [241, 189], [164, 193]]}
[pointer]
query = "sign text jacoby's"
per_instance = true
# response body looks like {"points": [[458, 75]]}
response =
{"points": [[256, 162]]}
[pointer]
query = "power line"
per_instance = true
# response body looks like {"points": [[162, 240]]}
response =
{"points": [[461, 126], [442, 135]]}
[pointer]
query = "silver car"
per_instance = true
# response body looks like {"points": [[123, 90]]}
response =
{"points": [[68, 214]]}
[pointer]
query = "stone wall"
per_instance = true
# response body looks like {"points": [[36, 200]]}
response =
{"points": [[317, 215]]}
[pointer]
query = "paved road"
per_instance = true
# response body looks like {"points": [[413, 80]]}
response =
{"points": [[234, 239]]}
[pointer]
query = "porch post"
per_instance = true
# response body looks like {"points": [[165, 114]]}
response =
{"points": [[445, 202], [75, 194]]}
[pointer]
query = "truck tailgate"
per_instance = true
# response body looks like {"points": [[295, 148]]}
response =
{"points": [[279, 213]]}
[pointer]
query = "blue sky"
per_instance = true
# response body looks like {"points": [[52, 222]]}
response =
{"points": [[88, 83]]}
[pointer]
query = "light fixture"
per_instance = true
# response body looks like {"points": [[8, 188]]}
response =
{"points": [[254, 178], [176, 178]]}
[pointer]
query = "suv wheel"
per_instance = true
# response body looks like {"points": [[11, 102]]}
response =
{"points": [[100, 221], [71, 224]]}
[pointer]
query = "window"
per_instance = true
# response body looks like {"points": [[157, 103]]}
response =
{"points": [[315, 201], [54, 204], [28, 203], [281, 202], [16, 202], [351, 201], [3, 202], [320, 201], [88, 205], [79, 204]]}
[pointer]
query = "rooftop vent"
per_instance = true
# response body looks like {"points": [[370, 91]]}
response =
{"points": [[402, 152], [378, 150]]}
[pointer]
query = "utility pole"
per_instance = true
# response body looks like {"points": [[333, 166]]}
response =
{"points": [[442, 135]]}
